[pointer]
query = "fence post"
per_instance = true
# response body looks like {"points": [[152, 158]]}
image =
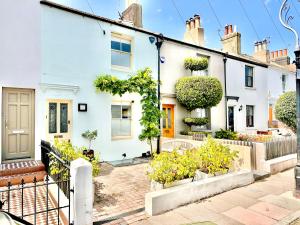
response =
{"points": [[82, 200]]}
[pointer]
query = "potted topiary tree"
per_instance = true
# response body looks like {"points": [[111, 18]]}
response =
{"points": [[198, 92], [90, 136]]}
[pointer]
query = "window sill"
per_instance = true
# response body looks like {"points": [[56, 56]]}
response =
{"points": [[250, 88], [117, 138], [251, 128], [122, 69]]}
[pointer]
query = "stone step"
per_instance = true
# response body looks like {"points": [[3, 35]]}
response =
{"points": [[17, 178], [260, 175], [24, 167]]}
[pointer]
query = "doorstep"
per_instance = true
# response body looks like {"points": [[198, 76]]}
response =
{"points": [[14, 172]]}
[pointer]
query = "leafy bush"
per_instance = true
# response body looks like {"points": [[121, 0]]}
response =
{"points": [[69, 153], [196, 64], [254, 138], [191, 133], [212, 157], [226, 134], [168, 167], [215, 157], [195, 121], [285, 109], [198, 92]]}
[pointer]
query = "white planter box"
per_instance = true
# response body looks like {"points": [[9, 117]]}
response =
{"points": [[155, 186], [164, 200]]}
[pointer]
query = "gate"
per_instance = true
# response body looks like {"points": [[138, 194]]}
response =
{"points": [[35, 202]]}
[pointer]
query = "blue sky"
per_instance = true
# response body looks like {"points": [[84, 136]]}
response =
{"points": [[161, 16]]}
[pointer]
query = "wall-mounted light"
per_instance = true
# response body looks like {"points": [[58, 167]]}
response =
{"points": [[162, 59], [82, 107], [241, 108], [151, 39]]}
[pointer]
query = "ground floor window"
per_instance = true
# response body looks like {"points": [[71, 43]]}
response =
{"points": [[120, 120], [249, 116]]}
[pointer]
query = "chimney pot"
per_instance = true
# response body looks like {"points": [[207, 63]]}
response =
{"points": [[285, 52], [226, 30], [230, 29], [272, 55], [197, 21], [192, 23], [276, 53], [280, 52]]}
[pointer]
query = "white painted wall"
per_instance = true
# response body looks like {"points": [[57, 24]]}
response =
{"points": [[257, 96], [75, 51], [173, 69], [275, 82], [20, 51]]}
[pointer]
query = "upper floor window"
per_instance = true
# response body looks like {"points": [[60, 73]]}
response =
{"points": [[202, 72], [249, 116], [283, 81], [120, 51], [248, 76]]}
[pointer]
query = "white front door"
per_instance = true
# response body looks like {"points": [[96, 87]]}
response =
{"points": [[59, 119], [18, 123]]}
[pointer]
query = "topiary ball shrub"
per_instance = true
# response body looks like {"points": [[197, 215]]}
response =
{"points": [[196, 121], [196, 64], [198, 92], [285, 109], [226, 134]]}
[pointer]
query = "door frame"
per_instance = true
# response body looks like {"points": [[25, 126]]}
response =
{"points": [[233, 111], [70, 117], [3, 132], [172, 119]]}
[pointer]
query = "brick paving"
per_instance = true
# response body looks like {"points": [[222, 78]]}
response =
{"points": [[265, 202], [29, 204], [123, 193]]}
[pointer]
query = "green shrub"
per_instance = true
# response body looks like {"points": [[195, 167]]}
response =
{"points": [[196, 63], [226, 134], [195, 121], [69, 153], [191, 133], [168, 167], [285, 109], [215, 157], [198, 92]]}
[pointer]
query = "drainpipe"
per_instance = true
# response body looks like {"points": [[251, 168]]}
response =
{"points": [[225, 88], [159, 42]]}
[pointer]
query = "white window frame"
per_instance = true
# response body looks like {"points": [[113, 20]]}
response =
{"points": [[253, 107], [253, 76], [125, 38], [130, 119], [285, 81], [200, 73]]}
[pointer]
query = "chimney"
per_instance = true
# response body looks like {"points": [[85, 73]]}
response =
{"points": [[231, 40], [281, 57], [194, 33], [133, 13], [261, 51]]}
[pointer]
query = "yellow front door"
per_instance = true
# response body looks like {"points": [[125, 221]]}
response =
{"points": [[168, 121], [59, 119]]}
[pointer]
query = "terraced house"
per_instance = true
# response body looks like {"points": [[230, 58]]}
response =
{"points": [[47, 92]]}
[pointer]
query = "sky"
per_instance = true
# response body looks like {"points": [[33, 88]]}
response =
{"points": [[168, 17]]}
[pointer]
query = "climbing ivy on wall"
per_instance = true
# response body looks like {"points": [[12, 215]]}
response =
{"points": [[143, 84]]}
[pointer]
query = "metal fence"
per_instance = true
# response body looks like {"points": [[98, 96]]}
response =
{"points": [[31, 201], [279, 147]]}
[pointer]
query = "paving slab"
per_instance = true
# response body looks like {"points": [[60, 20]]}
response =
{"points": [[169, 218], [248, 217], [287, 203], [270, 210]]}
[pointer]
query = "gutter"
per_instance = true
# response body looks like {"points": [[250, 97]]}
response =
{"points": [[225, 89], [103, 19]]}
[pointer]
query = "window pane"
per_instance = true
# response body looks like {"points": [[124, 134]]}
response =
{"points": [[126, 112], [120, 127], [52, 118], [120, 59], [116, 111], [250, 116], [164, 119], [63, 118], [126, 47], [169, 118], [116, 45]]}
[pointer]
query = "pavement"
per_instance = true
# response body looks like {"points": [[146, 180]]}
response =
{"points": [[265, 202]]}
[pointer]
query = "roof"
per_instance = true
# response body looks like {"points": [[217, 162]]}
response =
{"points": [[119, 23]]}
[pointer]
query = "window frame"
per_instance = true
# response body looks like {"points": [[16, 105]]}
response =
{"points": [[126, 38], [246, 76], [283, 83], [253, 112], [130, 119], [207, 71]]}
